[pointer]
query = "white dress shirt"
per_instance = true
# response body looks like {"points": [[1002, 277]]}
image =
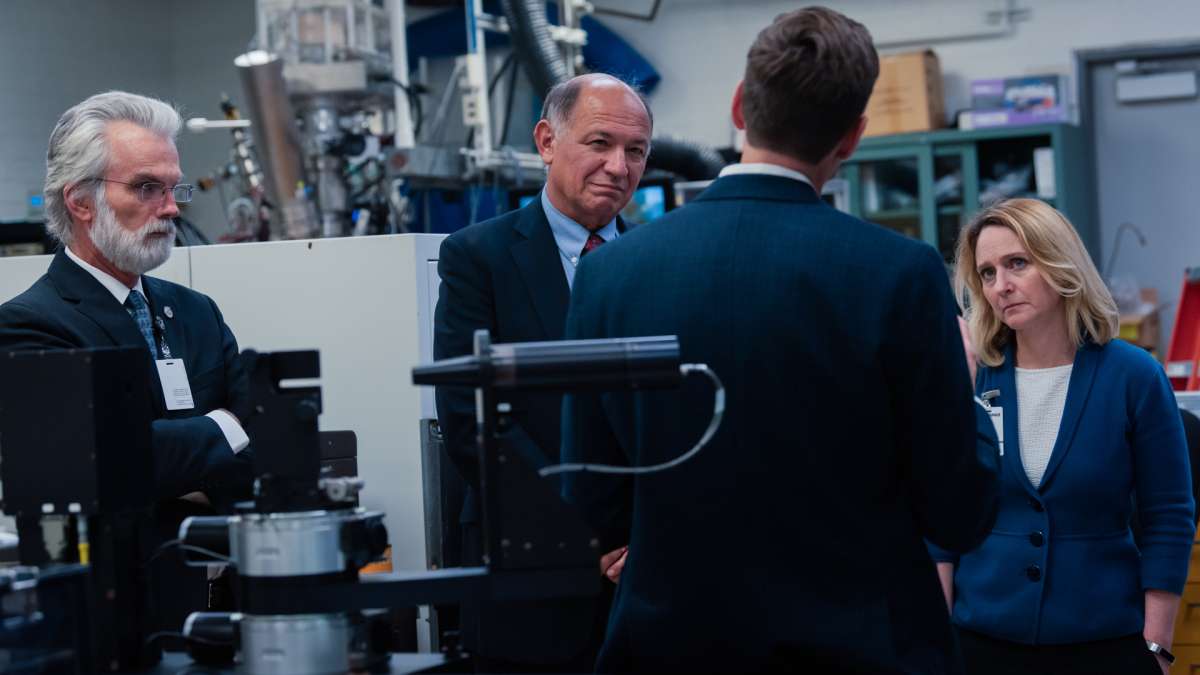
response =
{"points": [[764, 169], [234, 434], [570, 236]]}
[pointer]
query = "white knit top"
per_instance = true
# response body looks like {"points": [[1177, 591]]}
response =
{"points": [[1041, 397]]}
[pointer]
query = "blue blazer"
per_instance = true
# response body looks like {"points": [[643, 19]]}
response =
{"points": [[849, 434], [1061, 564]]}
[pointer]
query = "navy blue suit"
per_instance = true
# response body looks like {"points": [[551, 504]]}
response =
{"points": [[1061, 564], [794, 540], [67, 308], [505, 275]]}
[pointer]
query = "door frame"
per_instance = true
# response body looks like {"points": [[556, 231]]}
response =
{"points": [[1088, 59]]}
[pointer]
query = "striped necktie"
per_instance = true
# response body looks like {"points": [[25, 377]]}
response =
{"points": [[140, 311]]}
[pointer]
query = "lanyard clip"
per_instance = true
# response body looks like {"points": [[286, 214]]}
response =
{"points": [[987, 397]]}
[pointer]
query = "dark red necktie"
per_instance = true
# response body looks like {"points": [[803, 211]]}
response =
{"points": [[593, 241]]}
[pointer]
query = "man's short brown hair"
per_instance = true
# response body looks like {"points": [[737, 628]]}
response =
{"points": [[808, 77]]}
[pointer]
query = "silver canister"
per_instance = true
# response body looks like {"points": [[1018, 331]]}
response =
{"points": [[300, 644], [287, 544]]}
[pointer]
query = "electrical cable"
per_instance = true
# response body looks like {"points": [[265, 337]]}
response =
{"points": [[713, 425], [162, 548], [151, 638], [508, 106], [504, 66], [415, 108], [178, 543], [631, 15], [438, 133]]}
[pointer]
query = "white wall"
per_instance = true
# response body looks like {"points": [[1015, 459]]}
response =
{"points": [[699, 46]]}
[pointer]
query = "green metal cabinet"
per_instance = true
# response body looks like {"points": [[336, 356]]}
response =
{"points": [[928, 185]]}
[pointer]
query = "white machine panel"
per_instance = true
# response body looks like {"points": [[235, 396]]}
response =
{"points": [[365, 303], [19, 272], [432, 286]]}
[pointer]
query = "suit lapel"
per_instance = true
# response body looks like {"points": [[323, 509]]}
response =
{"points": [[93, 300], [537, 260], [1006, 383], [1083, 375]]}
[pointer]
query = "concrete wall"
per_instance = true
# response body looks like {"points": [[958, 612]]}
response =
{"points": [[54, 53]]}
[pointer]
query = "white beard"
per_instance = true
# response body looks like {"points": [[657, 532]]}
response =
{"points": [[129, 250]]}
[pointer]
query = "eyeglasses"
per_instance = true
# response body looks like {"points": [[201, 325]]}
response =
{"points": [[153, 193]]}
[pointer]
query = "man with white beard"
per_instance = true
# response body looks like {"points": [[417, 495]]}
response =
{"points": [[112, 189]]}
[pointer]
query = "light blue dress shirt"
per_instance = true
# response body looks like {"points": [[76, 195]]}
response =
{"points": [[570, 236]]}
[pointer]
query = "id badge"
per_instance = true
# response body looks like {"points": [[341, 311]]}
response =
{"points": [[177, 391], [997, 415]]}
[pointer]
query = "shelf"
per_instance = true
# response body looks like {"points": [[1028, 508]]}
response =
{"points": [[1052, 201], [939, 136], [976, 155], [893, 215]]}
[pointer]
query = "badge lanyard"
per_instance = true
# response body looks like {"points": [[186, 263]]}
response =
{"points": [[177, 391], [996, 413]]}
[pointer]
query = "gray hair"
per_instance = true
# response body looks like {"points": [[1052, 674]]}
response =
{"points": [[79, 149], [562, 97]]}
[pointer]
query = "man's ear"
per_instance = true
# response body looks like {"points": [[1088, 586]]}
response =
{"points": [[849, 143], [80, 204], [543, 138], [739, 117]]}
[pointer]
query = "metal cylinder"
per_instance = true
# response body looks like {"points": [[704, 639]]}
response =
{"points": [[299, 644], [322, 132], [287, 544], [279, 145]]}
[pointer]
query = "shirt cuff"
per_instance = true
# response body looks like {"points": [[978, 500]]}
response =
{"points": [[234, 434]]}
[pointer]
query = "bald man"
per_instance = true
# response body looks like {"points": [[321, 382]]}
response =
{"points": [[513, 275]]}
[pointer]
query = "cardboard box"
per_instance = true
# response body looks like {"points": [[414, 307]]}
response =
{"points": [[1142, 327], [907, 96]]}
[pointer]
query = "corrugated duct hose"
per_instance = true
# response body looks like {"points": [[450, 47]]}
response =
{"points": [[539, 56]]}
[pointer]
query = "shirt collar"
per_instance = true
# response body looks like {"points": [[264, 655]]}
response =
{"points": [[118, 289], [570, 235], [765, 169]]}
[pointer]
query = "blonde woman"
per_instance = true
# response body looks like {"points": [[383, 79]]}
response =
{"points": [[1090, 433]]}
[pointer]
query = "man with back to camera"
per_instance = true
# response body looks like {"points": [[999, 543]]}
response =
{"points": [[512, 275], [795, 540], [111, 192]]}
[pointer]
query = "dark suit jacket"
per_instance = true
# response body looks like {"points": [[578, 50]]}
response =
{"points": [[506, 275], [68, 309], [794, 540]]}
